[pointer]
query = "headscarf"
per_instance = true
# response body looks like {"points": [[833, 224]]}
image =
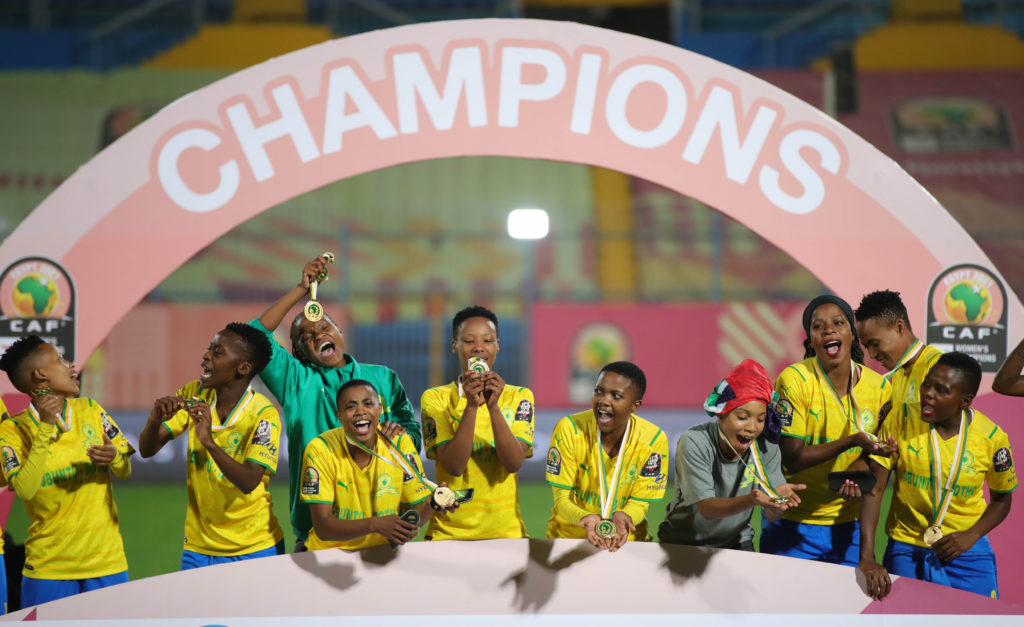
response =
{"points": [[747, 382]]}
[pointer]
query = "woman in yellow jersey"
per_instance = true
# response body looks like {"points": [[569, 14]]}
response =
{"points": [[362, 487], [725, 468], [606, 465], [233, 435], [479, 430], [58, 455], [837, 407], [939, 519]]}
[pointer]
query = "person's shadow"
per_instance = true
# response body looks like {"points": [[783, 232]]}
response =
{"points": [[535, 584], [685, 562], [339, 576]]}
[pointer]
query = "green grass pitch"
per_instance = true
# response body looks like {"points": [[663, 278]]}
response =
{"points": [[152, 517]]}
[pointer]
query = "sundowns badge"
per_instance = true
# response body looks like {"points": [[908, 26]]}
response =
{"points": [[967, 313]]}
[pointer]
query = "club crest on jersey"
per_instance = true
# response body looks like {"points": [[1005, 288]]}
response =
{"points": [[429, 429], [554, 463], [262, 435], [385, 486], [9, 458], [1001, 460], [525, 411], [652, 468], [310, 481], [234, 441]]}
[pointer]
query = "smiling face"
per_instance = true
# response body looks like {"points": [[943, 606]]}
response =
{"points": [[885, 343], [477, 337], [615, 398], [53, 372], [225, 360], [359, 413], [830, 335], [944, 395], [743, 424], [319, 343]]}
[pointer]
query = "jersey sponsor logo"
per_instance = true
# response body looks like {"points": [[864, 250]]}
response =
{"points": [[10, 458], [429, 428], [525, 411], [652, 468], [110, 428], [554, 463], [1001, 460], [310, 481], [262, 435]]}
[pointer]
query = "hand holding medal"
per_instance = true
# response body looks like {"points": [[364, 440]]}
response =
{"points": [[313, 310]]}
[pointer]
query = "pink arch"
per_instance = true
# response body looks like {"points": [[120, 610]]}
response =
{"points": [[521, 88]]}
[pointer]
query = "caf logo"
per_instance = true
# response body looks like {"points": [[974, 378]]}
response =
{"points": [[37, 297], [967, 313]]}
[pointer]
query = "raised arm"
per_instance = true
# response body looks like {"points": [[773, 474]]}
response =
{"points": [[274, 314], [511, 451], [244, 475], [155, 435]]}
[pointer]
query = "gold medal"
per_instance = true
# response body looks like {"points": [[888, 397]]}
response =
{"points": [[605, 528], [313, 311], [444, 497], [932, 535], [477, 364]]}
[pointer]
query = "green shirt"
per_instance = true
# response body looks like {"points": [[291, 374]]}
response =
{"points": [[308, 397]]}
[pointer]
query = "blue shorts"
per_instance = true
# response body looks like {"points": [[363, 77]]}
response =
{"points": [[39, 591], [973, 570], [191, 559], [836, 544]]}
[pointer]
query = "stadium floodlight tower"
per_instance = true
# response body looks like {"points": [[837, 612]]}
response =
{"points": [[528, 226]]}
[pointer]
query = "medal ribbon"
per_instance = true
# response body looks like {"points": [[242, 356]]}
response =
{"points": [[608, 497], [242, 403], [912, 352], [758, 471], [855, 419], [941, 498], [314, 284], [397, 461]]}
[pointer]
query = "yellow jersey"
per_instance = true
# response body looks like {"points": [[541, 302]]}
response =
{"points": [[220, 520], [573, 464], [493, 511], [987, 458], [330, 476], [819, 418], [74, 532], [906, 385]]}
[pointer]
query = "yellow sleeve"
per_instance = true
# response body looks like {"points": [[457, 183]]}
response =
{"points": [[23, 466], [266, 439], [562, 466], [565, 508], [414, 489], [1002, 478], [522, 421], [317, 473], [650, 485], [177, 424], [789, 385], [434, 417]]}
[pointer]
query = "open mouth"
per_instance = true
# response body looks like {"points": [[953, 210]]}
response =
{"points": [[833, 348], [927, 410], [604, 417], [362, 427], [325, 349], [205, 374], [743, 441]]}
